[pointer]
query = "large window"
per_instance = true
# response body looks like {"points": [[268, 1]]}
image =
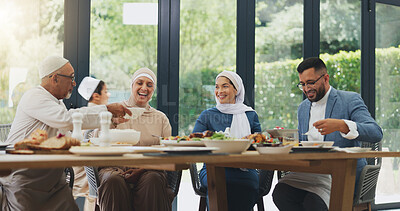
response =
{"points": [[388, 98], [30, 31], [123, 38], [279, 41], [207, 46], [340, 40]]}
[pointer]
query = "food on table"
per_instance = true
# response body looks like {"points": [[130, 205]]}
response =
{"points": [[256, 137], [191, 137], [261, 140], [38, 141], [36, 137], [123, 143], [219, 136], [56, 142]]}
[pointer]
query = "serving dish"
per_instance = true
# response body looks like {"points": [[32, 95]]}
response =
{"points": [[236, 146], [198, 143], [273, 149], [128, 136]]}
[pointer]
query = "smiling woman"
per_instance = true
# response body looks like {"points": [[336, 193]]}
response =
{"points": [[150, 191]]}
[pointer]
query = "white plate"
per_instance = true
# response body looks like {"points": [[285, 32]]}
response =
{"points": [[188, 149], [121, 145], [3, 145], [317, 143], [144, 149], [229, 146], [100, 150], [182, 143], [273, 150], [352, 149]]}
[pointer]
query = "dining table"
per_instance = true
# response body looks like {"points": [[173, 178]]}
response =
{"points": [[340, 165]]}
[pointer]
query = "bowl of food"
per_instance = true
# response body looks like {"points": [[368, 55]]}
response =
{"points": [[286, 136], [233, 146], [317, 143], [136, 112], [273, 148], [126, 136]]}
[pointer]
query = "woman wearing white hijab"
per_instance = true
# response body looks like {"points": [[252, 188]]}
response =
{"points": [[138, 189], [242, 184]]}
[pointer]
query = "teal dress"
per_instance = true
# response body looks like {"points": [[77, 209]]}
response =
{"points": [[242, 184]]}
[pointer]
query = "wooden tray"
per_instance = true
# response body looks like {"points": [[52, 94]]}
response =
{"points": [[31, 152]]}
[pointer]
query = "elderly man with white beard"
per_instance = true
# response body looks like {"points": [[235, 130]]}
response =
{"points": [[41, 108]]}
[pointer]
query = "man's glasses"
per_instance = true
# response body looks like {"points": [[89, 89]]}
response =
{"points": [[309, 84], [67, 76]]}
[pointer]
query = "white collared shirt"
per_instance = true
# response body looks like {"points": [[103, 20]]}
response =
{"points": [[317, 112]]}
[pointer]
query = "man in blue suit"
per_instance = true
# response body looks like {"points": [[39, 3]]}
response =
{"points": [[329, 115]]}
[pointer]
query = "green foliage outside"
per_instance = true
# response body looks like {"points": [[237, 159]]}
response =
{"points": [[387, 87], [277, 97]]}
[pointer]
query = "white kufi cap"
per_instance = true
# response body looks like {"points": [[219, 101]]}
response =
{"points": [[87, 87], [51, 64]]}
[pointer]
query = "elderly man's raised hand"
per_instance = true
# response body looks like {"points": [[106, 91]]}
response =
{"points": [[118, 110]]}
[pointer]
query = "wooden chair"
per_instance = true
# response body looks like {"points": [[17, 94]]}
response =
{"points": [[265, 178]]}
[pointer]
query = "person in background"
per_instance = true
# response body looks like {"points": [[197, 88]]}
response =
{"points": [[139, 189], [41, 108], [331, 115], [241, 184], [94, 91]]}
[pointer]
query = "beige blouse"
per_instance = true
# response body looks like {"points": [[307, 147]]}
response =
{"points": [[151, 122]]}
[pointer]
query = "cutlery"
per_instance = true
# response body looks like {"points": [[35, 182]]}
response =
{"points": [[156, 136], [308, 132]]}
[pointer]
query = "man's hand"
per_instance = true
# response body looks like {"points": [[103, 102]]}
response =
{"points": [[118, 120], [327, 126], [118, 110]]}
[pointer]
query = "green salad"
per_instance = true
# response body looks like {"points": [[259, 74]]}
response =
{"points": [[219, 136]]}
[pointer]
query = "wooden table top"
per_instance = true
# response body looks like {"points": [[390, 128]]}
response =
{"points": [[8, 161]]}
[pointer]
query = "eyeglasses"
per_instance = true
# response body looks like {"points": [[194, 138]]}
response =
{"points": [[67, 76], [309, 84]]}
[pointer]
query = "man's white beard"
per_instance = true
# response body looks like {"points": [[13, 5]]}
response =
{"points": [[68, 95]]}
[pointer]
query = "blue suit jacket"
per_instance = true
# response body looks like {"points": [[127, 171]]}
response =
{"points": [[344, 105]]}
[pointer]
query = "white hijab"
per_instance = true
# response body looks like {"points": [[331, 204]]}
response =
{"points": [[240, 126]]}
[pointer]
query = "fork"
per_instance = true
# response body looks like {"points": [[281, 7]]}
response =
{"points": [[308, 132]]}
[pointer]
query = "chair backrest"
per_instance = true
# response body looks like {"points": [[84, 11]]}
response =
{"points": [[194, 174], [365, 190], [374, 147], [69, 176], [4, 130], [174, 180], [265, 178], [92, 175]]}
